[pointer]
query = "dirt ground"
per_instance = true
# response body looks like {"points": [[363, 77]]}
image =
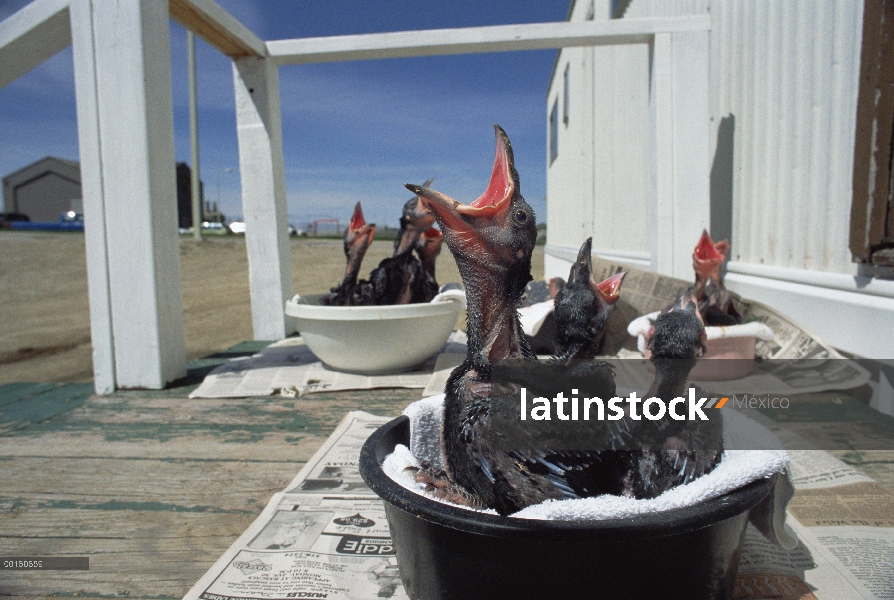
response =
{"points": [[45, 318]]}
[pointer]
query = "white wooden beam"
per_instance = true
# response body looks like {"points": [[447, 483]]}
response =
{"points": [[661, 116], [692, 145], [101, 335], [680, 148], [123, 80], [259, 129], [32, 35], [216, 26], [499, 38]]}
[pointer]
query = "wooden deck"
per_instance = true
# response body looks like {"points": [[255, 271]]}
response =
{"points": [[153, 487]]}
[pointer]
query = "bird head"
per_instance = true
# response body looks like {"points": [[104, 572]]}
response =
{"points": [[416, 214], [495, 233], [430, 243], [358, 235], [415, 218], [708, 257], [583, 306], [679, 331]]}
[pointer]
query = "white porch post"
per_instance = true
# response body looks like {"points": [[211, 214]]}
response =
{"points": [[680, 119], [259, 128], [125, 126]]}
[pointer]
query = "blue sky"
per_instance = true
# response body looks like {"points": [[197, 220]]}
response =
{"points": [[351, 131]]}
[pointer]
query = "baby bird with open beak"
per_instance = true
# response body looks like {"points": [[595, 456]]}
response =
{"points": [[358, 237]]}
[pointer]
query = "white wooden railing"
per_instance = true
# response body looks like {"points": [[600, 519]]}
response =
{"points": [[125, 129]]}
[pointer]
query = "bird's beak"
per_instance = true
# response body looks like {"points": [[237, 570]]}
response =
{"points": [[359, 233], [431, 242], [610, 289], [708, 256], [460, 219], [688, 302], [707, 249], [431, 235], [357, 220], [583, 265]]}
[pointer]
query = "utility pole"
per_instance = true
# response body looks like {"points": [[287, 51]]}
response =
{"points": [[194, 138]]}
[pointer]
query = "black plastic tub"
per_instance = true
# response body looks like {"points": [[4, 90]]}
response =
{"points": [[450, 553]]}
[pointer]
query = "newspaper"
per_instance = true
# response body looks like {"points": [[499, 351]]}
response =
{"points": [[845, 525], [326, 536], [289, 368]]}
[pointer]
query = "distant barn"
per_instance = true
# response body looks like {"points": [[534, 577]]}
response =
{"points": [[51, 186], [43, 190]]}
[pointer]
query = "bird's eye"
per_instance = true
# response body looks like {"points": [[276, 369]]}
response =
{"points": [[521, 216]]}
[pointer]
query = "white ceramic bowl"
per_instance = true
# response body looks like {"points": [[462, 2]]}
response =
{"points": [[375, 339]]}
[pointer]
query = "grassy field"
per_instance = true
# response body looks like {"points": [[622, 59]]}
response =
{"points": [[45, 318]]}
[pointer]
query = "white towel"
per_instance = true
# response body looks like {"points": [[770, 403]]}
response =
{"points": [[532, 317], [738, 468]]}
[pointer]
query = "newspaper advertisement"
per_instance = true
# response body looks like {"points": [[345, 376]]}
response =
{"points": [[326, 536], [288, 367]]}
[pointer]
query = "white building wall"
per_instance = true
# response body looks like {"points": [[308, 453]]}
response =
{"points": [[784, 85], [784, 75], [598, 184]]}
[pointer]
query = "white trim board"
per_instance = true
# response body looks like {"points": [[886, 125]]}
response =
{"points": [[32, 35], [859, 323], [217, 27], [498, 38], [838, 281], [641, 260]]}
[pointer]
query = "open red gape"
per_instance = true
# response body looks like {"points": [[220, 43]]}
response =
{"points": [[706, 249], [357, 220], [610, 288], [499, 188]]}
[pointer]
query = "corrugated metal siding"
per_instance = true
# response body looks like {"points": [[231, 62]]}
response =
{"points": [[794, 97], [787, 72], [793, 189]]}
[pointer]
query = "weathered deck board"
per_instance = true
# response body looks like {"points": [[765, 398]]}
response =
{"points": [[143, 563], [134, 484], [36, 403], [152, 486]]}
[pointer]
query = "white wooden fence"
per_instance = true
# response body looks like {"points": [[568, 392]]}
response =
{"points": [[125, 128]]}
